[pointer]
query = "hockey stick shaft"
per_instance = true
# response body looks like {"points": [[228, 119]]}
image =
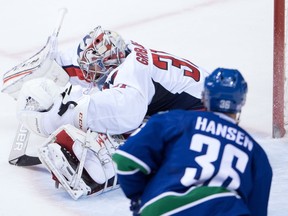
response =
{"points": [[62, 12], [53, 39]]}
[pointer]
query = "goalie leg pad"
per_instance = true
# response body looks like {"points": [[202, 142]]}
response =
{"points": [[80, 168], [56, 162]]}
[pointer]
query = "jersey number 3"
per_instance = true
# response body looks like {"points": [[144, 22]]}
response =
{"points": [[160, 60], [233, 159]]}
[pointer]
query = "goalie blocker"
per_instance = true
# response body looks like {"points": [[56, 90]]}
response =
{"points": [[81, 162]]}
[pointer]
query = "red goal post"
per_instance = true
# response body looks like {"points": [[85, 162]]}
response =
{"points": [[279, 70]]}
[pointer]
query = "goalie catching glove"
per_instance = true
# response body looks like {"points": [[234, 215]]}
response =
{"points": [[42, 108], [81, 162]]}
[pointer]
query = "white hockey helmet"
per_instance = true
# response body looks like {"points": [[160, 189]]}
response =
{"points": [[99, 52]]}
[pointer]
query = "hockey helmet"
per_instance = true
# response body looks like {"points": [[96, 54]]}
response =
{"points": [[99, 52], [225, 91]]}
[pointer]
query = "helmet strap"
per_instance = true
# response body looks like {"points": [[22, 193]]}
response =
{"points": [[238, 117]]}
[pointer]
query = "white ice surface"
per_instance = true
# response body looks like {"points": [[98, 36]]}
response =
{"points": [[210, 33]]}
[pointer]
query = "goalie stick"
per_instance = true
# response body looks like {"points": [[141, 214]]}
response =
{"points": [[18, 151], [14, 79]]}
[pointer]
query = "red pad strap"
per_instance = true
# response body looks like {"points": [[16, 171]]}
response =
{"points": [[65, 140]]}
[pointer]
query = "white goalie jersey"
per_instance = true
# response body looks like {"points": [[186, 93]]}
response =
{"points": [[147, 82]]}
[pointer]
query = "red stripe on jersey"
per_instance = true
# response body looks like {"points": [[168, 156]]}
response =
{"points": [[73, 71]]}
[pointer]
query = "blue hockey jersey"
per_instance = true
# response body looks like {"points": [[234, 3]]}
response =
{"points": [[194, 163]]}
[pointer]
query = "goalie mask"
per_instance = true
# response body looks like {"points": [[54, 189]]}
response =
{"points": [[100, 52]]}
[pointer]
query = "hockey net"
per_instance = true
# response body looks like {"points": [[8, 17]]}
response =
{"points": [[280, 70]]}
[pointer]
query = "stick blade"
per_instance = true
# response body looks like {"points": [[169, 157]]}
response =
{"points": [[25, 160]]}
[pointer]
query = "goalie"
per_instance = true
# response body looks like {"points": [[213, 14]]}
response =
{"points": [[135, 82], [113, 86]]}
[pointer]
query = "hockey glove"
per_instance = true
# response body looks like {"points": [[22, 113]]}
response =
{"points": [[42, 108], [135, 206]]}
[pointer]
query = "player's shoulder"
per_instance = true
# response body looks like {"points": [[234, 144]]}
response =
{"points": [[176, 116], [234, 127], [132, 46], [138, 58]]}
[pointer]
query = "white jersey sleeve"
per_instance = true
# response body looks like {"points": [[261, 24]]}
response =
{"points": [[116, 111]]}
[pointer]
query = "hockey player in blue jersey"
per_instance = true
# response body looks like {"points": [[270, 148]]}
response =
{"points": [[197, 163]]}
